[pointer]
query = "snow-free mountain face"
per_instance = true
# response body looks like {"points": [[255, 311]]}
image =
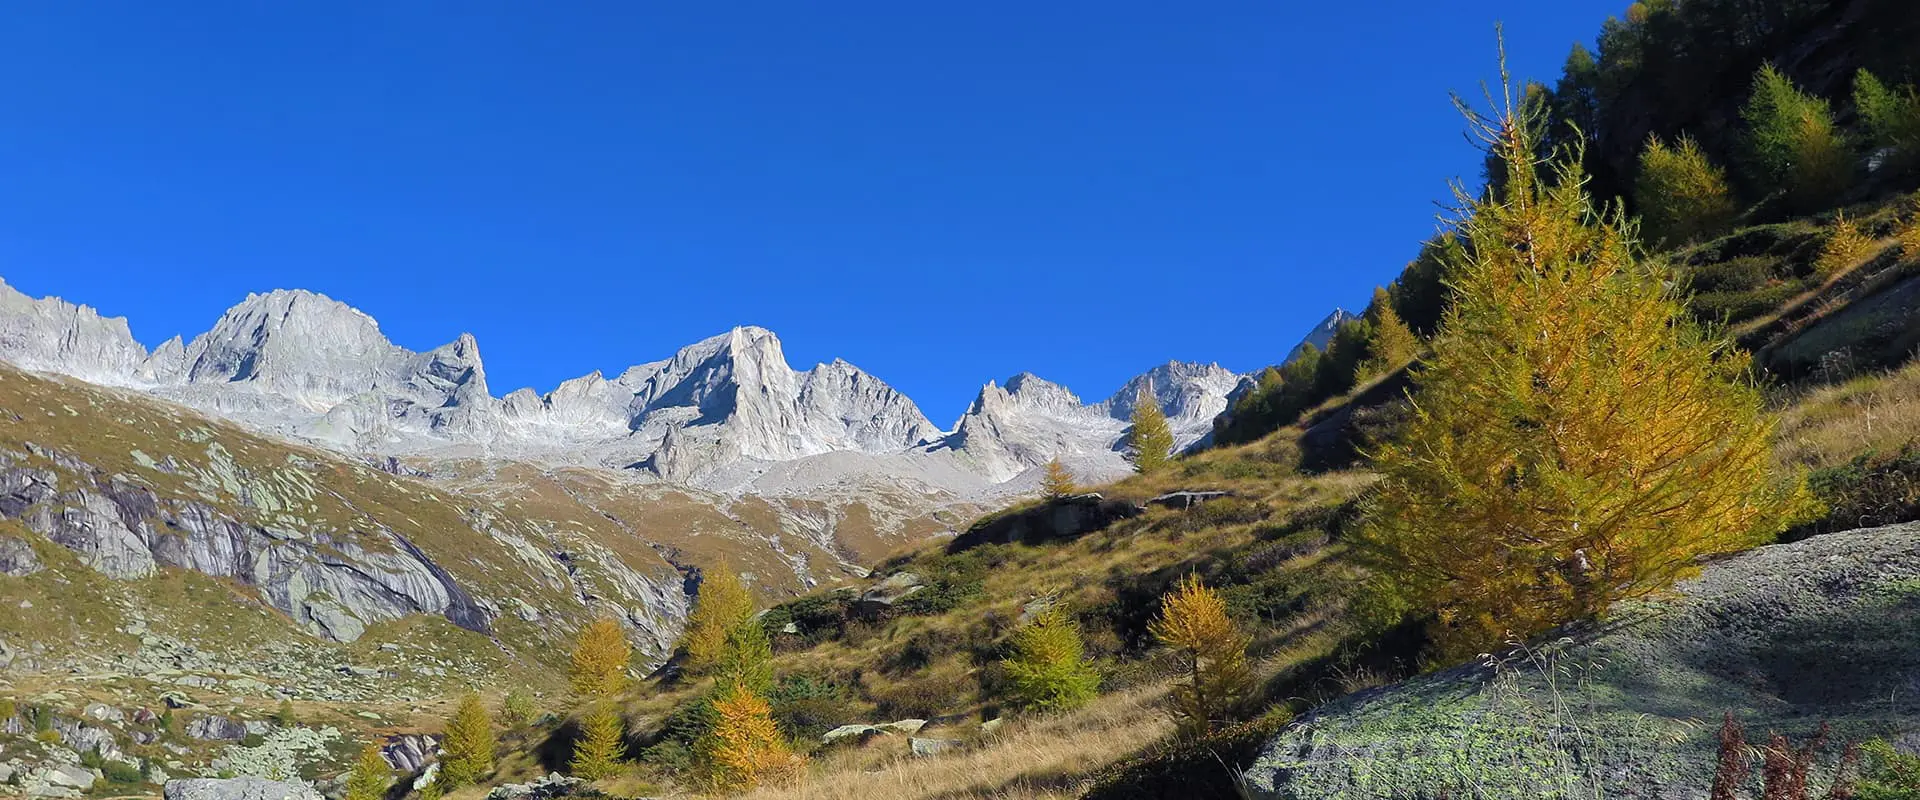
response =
{"points": [[720, 412], [1322, 334]]}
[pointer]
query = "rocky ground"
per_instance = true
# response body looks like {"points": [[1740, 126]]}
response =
{"points": [[1784, 637]]}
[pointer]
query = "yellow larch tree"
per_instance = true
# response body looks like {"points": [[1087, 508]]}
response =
{"points": [[745, 749], [467, 749], [597, 752], [722, 606], [600, 656], [1576, 439], [1057, 482], [1193, 621]]}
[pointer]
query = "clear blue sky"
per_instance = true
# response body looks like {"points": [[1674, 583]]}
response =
{"points": [[940, 193]]}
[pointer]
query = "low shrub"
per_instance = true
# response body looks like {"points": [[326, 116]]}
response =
{"points": [[807, 706], [1870, 491]]}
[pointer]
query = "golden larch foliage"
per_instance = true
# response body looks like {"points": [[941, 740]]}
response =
{"points": [[1846, 245], [1682, 197], [1390, 343], [599, 668], [1047, 666], [1576, 439], [1152, 439], [597, 753], [1057, 482], [370, 777], [745, 748], [1193, 621], [722, 605], [467, 749]]}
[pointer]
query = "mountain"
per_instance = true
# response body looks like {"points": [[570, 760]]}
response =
{"points": [[1322, 333], [721, 412]]}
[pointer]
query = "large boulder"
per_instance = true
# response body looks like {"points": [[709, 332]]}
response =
{"points": [[216, 728], [552, 785], [17, 558], [238, 789], [1784, 637], [1067, 517], [883, 596]]}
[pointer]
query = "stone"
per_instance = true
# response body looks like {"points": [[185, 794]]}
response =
{"points": [[71, 776], [906, 726], [881, 597], [237, 789], [993, 726], [855, 732], [104, 713], [553, 784], [1187, 499], [921, 748], [410, 752], [210, 727], [17, 558], [1059, 519]]}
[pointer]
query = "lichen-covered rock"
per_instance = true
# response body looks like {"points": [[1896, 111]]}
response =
{"points": [[551, 785], [238, 789], [1826, 629]]}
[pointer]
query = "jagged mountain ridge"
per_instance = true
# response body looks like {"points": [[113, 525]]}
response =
{"points": [[301, 364]]}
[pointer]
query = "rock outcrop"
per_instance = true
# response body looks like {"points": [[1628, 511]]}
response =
{"points": [[1785, 637], [238, 789], [1064, 518]]}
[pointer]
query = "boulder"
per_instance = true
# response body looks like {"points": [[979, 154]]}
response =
{"points": [[1067, 517], [858, 733], [1187, 499], [70, 776], [212, 727], [881, 597], [553, 784], [410, 752], [17, 557], [921, 748], [906, 726], [1785, 637], [238, 789]]}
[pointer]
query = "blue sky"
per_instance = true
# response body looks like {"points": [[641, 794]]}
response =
{"points": [[940, 193]]}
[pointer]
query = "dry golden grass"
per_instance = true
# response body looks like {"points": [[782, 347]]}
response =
{"points": [[1041, 757], [1833, 424]]}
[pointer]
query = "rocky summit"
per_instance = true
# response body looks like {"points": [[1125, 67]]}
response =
{"points": [[300, 364]]}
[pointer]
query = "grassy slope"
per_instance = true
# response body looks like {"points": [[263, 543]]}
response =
{"points": [[1276, 550]]}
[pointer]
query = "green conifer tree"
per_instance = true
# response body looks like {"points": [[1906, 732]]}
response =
{"points": [[1795, 143], [1047, 668], [1892, 117]]}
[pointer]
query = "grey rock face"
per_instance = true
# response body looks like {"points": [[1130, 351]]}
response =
{"points": [[212, 727], [1010, 430], [410, 752], [57, 336], [332, 587], [1322, 334], [1783, 636], [238, 789], [301, 364]]}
